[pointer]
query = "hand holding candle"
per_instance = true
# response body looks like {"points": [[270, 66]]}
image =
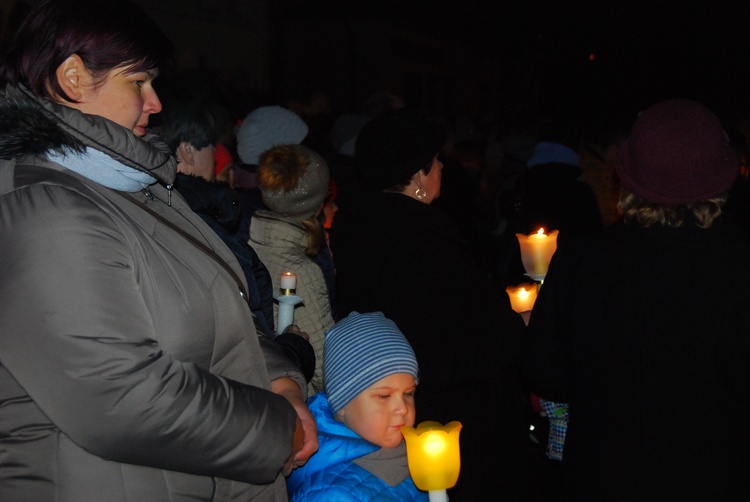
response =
{"points": [[536, 252]]}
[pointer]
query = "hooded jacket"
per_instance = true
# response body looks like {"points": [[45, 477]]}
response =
{"points": [[130, 368], [333, 475]]}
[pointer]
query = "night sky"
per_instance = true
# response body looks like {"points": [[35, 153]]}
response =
{"points": [[642, 51]]}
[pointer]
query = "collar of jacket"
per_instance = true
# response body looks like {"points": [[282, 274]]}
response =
{"points": [[211, 198], [32, 126]]}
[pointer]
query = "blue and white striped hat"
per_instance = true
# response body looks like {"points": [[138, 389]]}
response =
{"points": [[360, 350]]}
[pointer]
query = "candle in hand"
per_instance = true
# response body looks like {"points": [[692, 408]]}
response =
{"points": [[522, 297], [537, 250], [288, 283]]}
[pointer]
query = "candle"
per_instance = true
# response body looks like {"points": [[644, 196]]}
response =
{"points": [[536, 252], [433, 456], [288, 283], [287, 300], [522, 297]]}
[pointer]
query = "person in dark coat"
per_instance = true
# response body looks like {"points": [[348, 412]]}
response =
{"points": [[397, 254], [189, 130], [550, 194], [643, 329]]}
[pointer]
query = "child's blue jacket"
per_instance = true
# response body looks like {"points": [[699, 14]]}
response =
{"points": [[331, 476]]}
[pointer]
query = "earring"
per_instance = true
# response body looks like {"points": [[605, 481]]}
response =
{"points": [[420, 193]]}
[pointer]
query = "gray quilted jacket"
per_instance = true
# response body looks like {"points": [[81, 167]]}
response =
{"points": [[280, 244], [130, 369]]}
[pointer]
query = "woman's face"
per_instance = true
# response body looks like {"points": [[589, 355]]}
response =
{"points": [[125, 98], [378, 412]]}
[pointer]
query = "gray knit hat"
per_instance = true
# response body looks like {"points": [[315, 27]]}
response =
{"points": [[360, 350], [293, 181], [266, 127]]}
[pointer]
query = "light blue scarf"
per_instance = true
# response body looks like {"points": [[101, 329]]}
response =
{"points": [[103, 169]]}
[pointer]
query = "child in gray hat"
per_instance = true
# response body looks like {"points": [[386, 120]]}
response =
{"points": [[370, 374]]}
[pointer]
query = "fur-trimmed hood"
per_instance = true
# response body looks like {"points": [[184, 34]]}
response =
{"points": [[34, 126]]}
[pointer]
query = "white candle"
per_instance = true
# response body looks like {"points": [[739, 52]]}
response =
{"points": [[287, 300], [288, 281], [537, 250]]}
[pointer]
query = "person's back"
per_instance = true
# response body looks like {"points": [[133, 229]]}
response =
{"points": [[294, 181], [371, 374], [642, 330]]}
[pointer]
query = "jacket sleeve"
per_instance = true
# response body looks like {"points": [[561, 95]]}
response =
{"points": [[79, 338], [315, 317], [279, 364]]}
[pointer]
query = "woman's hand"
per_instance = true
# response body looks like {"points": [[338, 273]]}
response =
{"points": [[305, 431]]}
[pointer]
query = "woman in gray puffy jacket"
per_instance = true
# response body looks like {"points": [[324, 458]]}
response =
{"points": [[130, 368]]}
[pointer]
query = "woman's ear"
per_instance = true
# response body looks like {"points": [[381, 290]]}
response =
{"points": [[185, 153], [73, 77], [417, 178]]}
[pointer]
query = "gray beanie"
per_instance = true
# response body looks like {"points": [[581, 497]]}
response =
{"points": [[360, 350], [293, 181], [266, 127]]}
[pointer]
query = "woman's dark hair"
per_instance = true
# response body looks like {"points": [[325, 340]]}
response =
{"points": [[104, 34], [400, 187], [187, 118]]}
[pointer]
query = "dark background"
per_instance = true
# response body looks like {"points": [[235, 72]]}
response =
{"points": [[466, 57], [643, 51]]}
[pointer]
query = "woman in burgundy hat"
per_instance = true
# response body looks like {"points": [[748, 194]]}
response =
{"points": [[643, 330]]}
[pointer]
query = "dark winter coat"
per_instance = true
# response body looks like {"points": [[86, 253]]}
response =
{"points": [[218, 205], [646, 333], [549, 196], [408, 260], [129, 365]]}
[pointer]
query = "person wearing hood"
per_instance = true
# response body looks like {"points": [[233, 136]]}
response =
{"points": [[130, 365]]}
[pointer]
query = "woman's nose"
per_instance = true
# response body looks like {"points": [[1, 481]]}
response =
{"points": [[152, 104]]}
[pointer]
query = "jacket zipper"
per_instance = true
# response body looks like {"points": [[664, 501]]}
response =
{"points": [[151, 196]]}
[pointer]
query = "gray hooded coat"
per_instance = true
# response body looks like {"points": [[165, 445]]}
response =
{"points": [[130, 369]]}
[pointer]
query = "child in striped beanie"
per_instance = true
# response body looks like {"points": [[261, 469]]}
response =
{"points": [[370, 374]]}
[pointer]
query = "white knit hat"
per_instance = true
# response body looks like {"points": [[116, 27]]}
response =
{"points": [[360, 350], [266, 127]]}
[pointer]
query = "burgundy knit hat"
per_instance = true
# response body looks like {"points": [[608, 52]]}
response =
{"points": [[677, 153]]}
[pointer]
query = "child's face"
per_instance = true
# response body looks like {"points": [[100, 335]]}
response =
{"points": [[378, 412]]}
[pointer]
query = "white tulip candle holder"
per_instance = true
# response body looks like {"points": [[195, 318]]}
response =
{"points": [[536, 252]]}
